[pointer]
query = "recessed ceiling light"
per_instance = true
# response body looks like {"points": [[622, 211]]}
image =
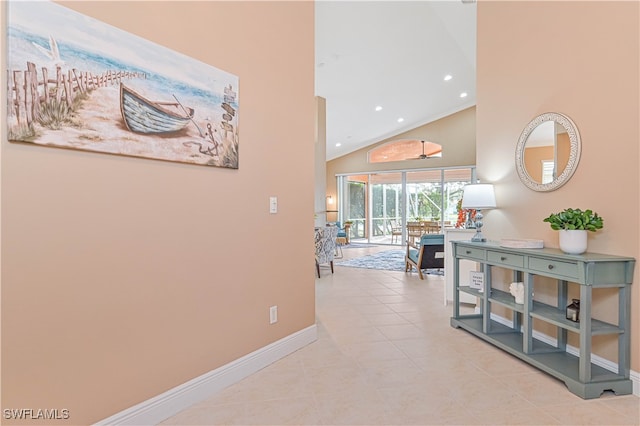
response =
{"points": [[448, 77], [463, 94], [378, 108], [400, 120], [338, 144]]}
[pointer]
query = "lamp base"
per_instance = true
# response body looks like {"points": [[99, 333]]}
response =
{"points": [[478, 237]]}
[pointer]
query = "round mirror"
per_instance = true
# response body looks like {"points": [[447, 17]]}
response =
{"points": [[548, 152]]}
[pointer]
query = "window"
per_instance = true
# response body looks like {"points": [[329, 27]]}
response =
{"points": [[404, 149]]}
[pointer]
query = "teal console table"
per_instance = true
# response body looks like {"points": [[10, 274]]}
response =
{"points": [[589, 271]]}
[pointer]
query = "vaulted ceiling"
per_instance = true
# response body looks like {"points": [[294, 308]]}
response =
{"points": [[394, 55]]}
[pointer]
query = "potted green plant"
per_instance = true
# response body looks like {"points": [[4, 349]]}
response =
{"points": [[573, 225]]}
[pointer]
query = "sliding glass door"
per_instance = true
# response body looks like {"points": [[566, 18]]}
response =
{"points": [[352, 193], [380, 205], [386, 207], [424, 196], [433, 195]]}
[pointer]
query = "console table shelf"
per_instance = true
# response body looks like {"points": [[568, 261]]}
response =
{"points": [[589, 271], [557, 317], [544, 356], [505, 299]]}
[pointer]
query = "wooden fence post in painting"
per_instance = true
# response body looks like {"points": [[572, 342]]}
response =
{"points": [[28, 99], [78, 81], [17, 84], [58, 84], [68, 96], [88, 81], [45, 84], [32, 94]]}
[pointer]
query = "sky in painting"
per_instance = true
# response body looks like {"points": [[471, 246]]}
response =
{"points": [[45, 18]]}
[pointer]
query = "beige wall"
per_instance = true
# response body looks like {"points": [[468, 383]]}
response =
{"points": [[456, 133], [536, 57], [124, 277]]}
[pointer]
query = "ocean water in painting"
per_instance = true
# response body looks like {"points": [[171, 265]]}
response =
{"points": [[199, 87], [50, 35]]}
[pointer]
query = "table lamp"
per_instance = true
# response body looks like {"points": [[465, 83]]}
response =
{"points": [[478, 196]]}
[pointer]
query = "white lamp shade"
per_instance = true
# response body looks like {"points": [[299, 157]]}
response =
{"points": [[479, 196]]}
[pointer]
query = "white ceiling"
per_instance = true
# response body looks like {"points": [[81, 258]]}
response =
{"points": [[394, 54]]}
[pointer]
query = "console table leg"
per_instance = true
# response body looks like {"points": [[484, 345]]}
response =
{"points": [[562, 302], [527, 321], [584, 369], [624, 342]]}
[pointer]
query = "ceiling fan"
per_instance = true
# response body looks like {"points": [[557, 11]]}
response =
{"points": [[422, 156]]}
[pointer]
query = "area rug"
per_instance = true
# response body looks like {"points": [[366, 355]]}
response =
{"points": [[389, 260], [358, 245]]}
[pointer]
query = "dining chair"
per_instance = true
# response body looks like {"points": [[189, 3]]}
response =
{"points": [[396, 231], [414, 230]]}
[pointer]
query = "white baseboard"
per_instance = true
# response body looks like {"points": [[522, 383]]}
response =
{"points": [[171, 402], [597, 360]]}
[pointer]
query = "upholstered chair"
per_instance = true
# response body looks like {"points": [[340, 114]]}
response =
{"points": [[428, 255], [325, 246]]}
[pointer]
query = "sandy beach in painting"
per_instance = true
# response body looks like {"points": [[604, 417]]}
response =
{"points": [[102, 129]]}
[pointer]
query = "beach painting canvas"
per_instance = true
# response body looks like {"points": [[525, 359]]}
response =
{"points": [[75, 82]]}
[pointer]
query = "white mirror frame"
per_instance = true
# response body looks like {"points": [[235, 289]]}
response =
{"points": [[574, 154]]}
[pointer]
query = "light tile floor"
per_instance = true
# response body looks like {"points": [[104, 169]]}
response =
{"points": [[386, 355]]}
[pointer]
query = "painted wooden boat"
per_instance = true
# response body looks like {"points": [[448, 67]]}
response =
{"points": [[142, 115]]}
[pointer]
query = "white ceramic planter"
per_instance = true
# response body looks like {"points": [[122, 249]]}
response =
{"points": [[573, 241]]}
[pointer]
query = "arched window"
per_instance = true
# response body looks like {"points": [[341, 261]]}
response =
{"points": [[404, 149]]}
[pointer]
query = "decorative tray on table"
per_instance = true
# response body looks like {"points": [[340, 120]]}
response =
{"points": [[521, 243]]}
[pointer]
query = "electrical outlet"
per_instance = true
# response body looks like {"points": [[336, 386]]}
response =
{"points": [[273, 314], [273, 205]]}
